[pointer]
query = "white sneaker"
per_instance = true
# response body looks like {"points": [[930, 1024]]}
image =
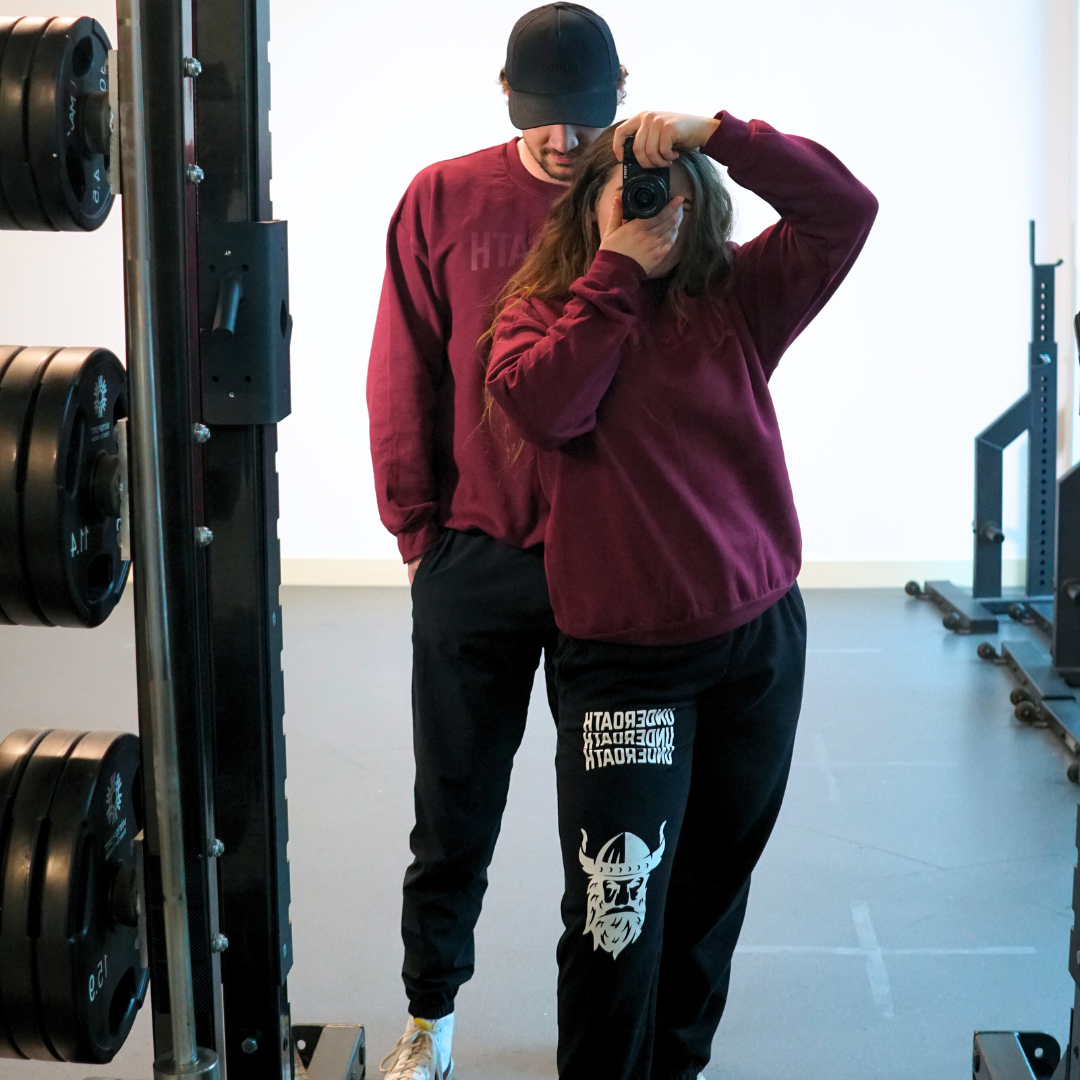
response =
{"points": [[418, 1054]]}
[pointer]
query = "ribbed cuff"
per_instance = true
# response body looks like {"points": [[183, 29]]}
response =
{"points": [[412, 545], [433, 1006], [614, 269]]}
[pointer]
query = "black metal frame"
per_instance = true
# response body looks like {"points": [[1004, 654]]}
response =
{"points": [[232, 136], [1036, 413], [224, 596], [166, 36], [1047, 677]]}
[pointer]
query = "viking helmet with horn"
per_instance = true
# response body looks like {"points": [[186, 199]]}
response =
{"points": [[623, 856]]}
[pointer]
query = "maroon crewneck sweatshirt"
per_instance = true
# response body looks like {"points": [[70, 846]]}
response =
{"points": [[672, 518], [458, 233]]}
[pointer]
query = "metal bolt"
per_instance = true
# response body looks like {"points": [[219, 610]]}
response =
{"points": [[217, 849], [273, 619], [249, 1045], [192, 67], [194, 174], [201, 433], [219, 943], [203, 536], [284, 950]]}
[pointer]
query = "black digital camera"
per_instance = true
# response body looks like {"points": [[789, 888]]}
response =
{"points": [[645, 192]]}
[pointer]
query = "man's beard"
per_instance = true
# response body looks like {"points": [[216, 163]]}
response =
{"points": [[614, 932], [561, 173]]}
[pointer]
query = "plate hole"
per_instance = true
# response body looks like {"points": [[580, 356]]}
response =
{"points": [[82, 56], [99, 578], [122, 1000]]}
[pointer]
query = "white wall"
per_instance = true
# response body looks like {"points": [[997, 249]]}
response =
{"points": [[959, 114], [956, 113]]}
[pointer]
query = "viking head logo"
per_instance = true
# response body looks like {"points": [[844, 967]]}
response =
{"points": [[617, 879]]}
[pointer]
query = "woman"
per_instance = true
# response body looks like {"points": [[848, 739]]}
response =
{"points": [[636, 355]]}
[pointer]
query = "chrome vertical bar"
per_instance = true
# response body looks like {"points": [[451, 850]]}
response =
{"points": [[160, 713]]}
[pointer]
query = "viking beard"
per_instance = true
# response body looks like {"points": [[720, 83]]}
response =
{"points": [[612, 931]]}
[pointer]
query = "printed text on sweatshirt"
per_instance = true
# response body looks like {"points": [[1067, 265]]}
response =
{"points": [[457, 235]]}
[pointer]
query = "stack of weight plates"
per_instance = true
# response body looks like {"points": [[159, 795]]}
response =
{"points": [[60, 485], [54, 124], [71, 976]]}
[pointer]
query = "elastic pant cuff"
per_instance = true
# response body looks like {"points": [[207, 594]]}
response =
{"points": [[432, 1008]]}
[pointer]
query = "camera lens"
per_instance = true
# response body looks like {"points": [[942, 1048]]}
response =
{"points": [[645, 196]]}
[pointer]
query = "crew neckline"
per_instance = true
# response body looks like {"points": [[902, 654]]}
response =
{"points": [[523, 177]]}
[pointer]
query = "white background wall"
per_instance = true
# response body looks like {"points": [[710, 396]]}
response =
{"points": [[959, 115]]}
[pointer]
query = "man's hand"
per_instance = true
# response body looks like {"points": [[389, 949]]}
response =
{"points": [[413, 564], [658, 136], [646, 240]]}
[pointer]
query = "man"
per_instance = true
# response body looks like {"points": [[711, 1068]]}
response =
{"points": [[468, 514]]}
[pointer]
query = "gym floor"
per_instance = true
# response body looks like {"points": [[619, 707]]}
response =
{"points": [[918, 885]]}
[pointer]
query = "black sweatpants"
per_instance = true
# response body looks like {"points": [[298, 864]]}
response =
{"points": [[672, 763], [481, 619]]}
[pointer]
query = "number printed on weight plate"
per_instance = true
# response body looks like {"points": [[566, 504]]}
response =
{"points": [[80, 541], [99, 978]]}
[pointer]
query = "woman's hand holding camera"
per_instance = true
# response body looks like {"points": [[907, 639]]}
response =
{"points": [[646, 240], [658, 135]]}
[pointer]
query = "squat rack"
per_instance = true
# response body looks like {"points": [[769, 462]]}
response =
{"points": [[208, 331], [189, 884]]}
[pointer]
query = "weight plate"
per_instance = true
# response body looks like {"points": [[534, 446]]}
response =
{"points": [[70, 533], [7, 353], [92, 980], [20, 900], [17, 389], [16, 175], [68, 88], [7, 219], [15, 752]]}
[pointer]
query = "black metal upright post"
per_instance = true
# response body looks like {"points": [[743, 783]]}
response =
{"points": [[241, 489], [1042, 428], [1065, 642], [171, 187], [1036, 413]]}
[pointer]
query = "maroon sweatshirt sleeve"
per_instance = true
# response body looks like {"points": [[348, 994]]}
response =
{"points": [[549, 377], [408, 354], [785, 275]]}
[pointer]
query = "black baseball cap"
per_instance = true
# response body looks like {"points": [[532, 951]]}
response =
{"points": [[561, 68]]}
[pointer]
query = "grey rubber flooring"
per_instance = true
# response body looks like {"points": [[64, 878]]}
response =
{"points": [[917, 886]]}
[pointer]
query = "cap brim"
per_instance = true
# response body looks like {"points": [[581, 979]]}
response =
{"points": [[589, 108]]}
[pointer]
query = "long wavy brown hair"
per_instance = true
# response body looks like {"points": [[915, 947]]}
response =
{"points": [[570, 238]]}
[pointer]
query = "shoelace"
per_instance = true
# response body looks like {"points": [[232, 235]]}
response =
{"points": [[414, 1056]]}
